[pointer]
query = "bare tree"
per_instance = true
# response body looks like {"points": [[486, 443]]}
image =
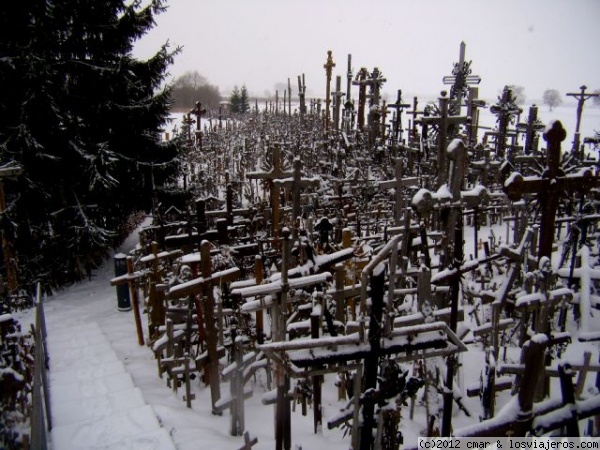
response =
{"points": [[552, 98], [191, 87]]}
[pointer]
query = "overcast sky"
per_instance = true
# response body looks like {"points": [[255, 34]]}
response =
{"points": [[537, 44]]}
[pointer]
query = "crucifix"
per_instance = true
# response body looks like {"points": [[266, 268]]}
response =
{"points": [[329, 65], [550, 186], [460, 80], [505, 110], [581, 97]]}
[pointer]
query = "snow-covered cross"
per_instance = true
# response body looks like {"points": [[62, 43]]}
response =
{"points": [[550, 186], [131, 278], [398, 184]]}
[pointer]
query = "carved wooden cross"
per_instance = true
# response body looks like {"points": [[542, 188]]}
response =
{"points": [[328, 66], [198, 111], [337, 102], [461, 79], [505, 110], [550, 186]]}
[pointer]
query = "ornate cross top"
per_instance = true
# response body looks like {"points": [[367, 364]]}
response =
{"points": [[531, 129], [461, 79], [198, 111], [399, 107], [550, 186], [505, 110]]}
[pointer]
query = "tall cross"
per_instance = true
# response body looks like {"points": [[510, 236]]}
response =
{"points": [[473, 106], [531, 129], [399, 107], [505, 110], [198, 111], [444, 121], [581, 98], [361, 81], [460, 80], [302, 95], [337, 102], [277, 171], [329, 65], [550, 186]]}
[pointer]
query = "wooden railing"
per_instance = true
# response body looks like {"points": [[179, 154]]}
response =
{"points": [[41, 419]]}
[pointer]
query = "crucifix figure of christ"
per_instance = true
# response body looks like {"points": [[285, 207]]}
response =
{"points": [[328, 66], [460, 80], [550, 186], [277, 171], [505, 110], [581, 97]]}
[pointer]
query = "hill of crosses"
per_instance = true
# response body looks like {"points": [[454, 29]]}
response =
{"points": [[424, 274]]}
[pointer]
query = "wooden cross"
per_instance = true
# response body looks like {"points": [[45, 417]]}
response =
{"points": [[296, 182], [204, 285], [337, 102], [8, 172], [277, 171], [485, 165], [505, 111], [443, 121], [131, 278], [302, 96], [531, 128], [581, 97], [198, 111], [461, 79], [248, 442], [586, 273], [398, 183], [412, 137], [397, 123], [329, 65], [473, 106], [361, 81], [550, 186]]}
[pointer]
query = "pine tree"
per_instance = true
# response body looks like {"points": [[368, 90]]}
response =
{"points": [[235, 100], [82, 119], [244, 101]]}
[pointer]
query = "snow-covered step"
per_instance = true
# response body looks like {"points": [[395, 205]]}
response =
{"points": [[90, 388], [135, 428]]}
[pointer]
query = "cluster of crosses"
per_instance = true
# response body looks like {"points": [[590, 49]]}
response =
{"points": [[327, 242]]}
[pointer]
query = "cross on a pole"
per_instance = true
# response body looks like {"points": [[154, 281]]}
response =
{"points": [[328, 66], [361, 81], [198, 111], [461, 79], [550, 186], [505, 110], [581, 97]]}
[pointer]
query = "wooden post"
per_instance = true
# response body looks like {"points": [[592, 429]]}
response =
{"points": [[329, 65], [130, 278]]}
